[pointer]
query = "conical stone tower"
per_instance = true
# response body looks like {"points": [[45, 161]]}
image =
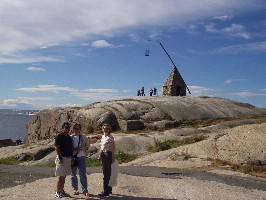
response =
{"points": [[174, 85]]}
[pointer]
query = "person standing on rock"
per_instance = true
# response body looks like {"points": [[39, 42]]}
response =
{"points": [[64, 151], [154, 91], [142, 91], [107, 156], [80, 147], [151, 92]]}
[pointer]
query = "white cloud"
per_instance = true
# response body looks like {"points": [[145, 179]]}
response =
{"points": [[101, 44], [36, 98], [135, 37], [49, 45], [192, 29], [224, 17], [235, 30], [26, 59], [247, 94], [31, 24], [96, 94], [15, 103], [101, 90], [127, 91], [57, 89], [35, 69], [100, 94], [257, 46], [63, 95], [47, 88], [200, 91], [229, 81], [154, 34], [31, 103], [104, 44]]}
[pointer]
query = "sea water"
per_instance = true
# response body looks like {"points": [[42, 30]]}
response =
{"points": [[13, 123]]}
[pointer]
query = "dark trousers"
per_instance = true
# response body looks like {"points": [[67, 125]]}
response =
{"points": [[106, 164]]}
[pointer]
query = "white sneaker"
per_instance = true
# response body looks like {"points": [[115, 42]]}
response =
{"points": [[58, 195]]}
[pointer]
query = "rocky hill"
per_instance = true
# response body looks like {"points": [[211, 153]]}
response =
{"points": [[229, 132], [138, 113]]}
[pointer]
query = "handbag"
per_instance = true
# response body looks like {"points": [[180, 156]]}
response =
{"points": [[75, 161]]}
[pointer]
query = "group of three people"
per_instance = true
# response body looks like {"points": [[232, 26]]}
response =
{"points": [[67, 146]]}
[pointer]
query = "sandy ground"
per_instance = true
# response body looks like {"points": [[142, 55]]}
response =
{"points": [[136, 187]]}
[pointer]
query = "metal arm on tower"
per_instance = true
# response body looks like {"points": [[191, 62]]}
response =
{"points": [[171, 61]]}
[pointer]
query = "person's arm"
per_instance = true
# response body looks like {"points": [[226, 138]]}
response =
{"points": [[100, 152], [58, 152], [86, 145]]}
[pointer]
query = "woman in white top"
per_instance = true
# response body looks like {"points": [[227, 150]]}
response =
{"points": [[107, 156], [80, 147]]}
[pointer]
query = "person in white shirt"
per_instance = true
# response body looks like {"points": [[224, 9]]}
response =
{"points": [[107, 156], [80, 147]]}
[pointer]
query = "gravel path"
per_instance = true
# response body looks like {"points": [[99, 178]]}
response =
{"points": [[135, 182]]}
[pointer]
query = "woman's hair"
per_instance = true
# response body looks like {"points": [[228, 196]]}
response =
{"points": [[108, 125], [77, 125]]}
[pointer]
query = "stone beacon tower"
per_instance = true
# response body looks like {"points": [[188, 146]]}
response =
{"points": [[175, 85]]}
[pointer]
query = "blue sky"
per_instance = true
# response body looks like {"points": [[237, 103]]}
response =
{"points": [[72, 53]]}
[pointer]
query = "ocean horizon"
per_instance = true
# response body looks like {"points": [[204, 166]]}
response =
{"points": [[13, 123]]}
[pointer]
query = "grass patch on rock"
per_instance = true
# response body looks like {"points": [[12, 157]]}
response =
{"points": [[125, 157], [255, 169], [9, 161], [169, 144], [47, 165], [197, 123], [252, 169], [93, 162], [218, 162]]}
